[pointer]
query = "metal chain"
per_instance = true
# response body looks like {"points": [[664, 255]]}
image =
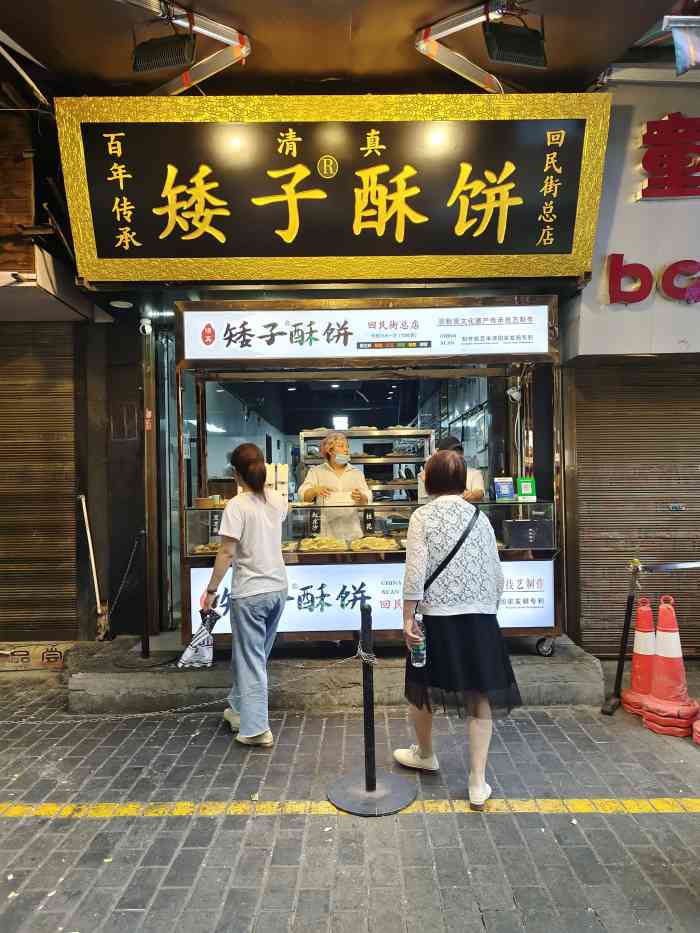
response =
{"points": [[173, 713], [110, 609]]}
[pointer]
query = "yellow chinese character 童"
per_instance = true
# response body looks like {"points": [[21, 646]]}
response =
{"points": [[496, 197], [546, 237], [373, 145], [123, 209], [126, 239], [547, 216], [551, 186], [551, 164], [556, 137], [197, 210], [297, 174], [287, 143], [119, 174], [114, 145], [375, 206]]}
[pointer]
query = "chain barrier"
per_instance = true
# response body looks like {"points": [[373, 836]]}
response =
{"points": [[173, 713], [125, 576]]}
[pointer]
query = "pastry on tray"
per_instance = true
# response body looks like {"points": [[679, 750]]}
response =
{"points": [[374, 543], [206, 548], [322, 543]]}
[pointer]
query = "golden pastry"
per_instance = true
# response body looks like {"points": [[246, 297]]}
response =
{"points": [[322, 544], [374, 543]]}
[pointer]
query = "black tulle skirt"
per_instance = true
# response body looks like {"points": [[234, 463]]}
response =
{"points": [[467, 668]]}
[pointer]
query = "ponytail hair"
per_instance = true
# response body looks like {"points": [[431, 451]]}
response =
{"points": [[249, 463]]}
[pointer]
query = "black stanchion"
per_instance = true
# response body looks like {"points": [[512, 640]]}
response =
{"points": [[370, 793]]}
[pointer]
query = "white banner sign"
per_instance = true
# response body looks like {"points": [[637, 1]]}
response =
{"points": [[365, 333], [328, 598]]}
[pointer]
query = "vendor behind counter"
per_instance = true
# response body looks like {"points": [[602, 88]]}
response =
{"points": [[335, 482], [475, 489]]}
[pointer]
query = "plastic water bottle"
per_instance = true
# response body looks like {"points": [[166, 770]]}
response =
{"points": [[418, 652]]}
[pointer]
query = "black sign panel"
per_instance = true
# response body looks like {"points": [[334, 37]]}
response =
{"points": [[227, 198], [432, 188]]}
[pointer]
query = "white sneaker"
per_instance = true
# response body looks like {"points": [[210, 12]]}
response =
{"points": [[479, 796], [411, 758], [265, 739], [233, 719]]}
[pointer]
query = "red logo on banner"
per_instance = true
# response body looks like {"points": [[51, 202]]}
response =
{"points": [[208, 335]]}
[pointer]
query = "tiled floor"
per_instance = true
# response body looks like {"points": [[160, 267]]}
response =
{"points": [[442, 870]]}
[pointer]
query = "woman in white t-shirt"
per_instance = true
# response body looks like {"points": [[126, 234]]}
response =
{"points": [[251, 541]]}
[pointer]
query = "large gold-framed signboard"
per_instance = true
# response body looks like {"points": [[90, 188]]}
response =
{"points": [[333, 187]]}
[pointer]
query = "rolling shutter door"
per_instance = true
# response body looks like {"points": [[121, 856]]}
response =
{"points": [[38, 595], [637, 494]]}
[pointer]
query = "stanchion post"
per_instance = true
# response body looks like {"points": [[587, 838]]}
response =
{"points": [[370, 793], [609, 707], [368, 700]]}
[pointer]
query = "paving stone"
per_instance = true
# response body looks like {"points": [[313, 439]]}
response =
{"points": [[349, 921], [518, 865]]}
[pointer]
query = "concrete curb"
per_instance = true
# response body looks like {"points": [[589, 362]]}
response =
{"points": [[570, 678]]}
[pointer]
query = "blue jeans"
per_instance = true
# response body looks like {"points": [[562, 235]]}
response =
{"points": [[254, 621]]}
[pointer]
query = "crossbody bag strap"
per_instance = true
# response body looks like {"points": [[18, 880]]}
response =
{"points": [[463, 537]]}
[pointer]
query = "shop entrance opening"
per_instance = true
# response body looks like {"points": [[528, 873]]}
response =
{"points": [[345, 541]]}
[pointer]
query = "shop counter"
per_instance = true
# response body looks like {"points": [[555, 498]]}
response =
{"points": [[331, 577]]}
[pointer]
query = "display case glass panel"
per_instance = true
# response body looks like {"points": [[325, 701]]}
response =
{"points": [[358, 532]]}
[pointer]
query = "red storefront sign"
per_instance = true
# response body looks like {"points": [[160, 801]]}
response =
{"points": [[643, 280], [672, 159]]}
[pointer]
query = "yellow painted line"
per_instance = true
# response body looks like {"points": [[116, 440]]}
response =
{"points": [[547, 805], [608, 805], [272, 808], [580, 805], [666, 804], [637, 805]]}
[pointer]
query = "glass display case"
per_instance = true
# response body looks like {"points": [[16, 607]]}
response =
{"points": [[377, 532]]}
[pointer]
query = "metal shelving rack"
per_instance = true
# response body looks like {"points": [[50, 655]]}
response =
{"points": [[377, 435]]}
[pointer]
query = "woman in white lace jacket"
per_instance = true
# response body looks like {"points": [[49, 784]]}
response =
{"points": [[467, 663]]}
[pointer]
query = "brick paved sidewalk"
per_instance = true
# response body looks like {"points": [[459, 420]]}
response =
{"points": [[431, 870]]}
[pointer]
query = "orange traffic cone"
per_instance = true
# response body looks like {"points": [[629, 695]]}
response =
{"points": [[681, 732], [642, 658], [668, 707]]}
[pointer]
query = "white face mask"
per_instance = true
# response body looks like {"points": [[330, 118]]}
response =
{"points": [[342, 459]]}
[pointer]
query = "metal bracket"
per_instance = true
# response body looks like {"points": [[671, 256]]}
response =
{"points": [[205, 68], [237, 44], [428, 44]]}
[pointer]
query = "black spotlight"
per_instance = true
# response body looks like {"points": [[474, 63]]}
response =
{"points": [[515, 44]]}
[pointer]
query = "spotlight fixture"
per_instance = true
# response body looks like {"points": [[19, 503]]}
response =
{"points": [[335, 385], [515, 45], [291, 388], [121, 304]]}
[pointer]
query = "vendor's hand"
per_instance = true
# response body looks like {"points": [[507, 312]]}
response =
{"points": [[411, 633], [208, 601], [323, 492], [359, 497]]}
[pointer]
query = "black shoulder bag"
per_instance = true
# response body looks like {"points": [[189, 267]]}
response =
{"points": [[455, 550]]}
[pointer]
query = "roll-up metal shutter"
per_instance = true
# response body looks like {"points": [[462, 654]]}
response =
{"points": [[38, 596], [637, 493]]}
